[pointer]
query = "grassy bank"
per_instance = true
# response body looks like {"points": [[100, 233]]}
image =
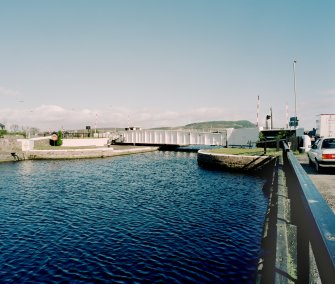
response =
{"points": [[246, 152]]}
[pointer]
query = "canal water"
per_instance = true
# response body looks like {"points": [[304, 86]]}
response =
{"points": [[148, 218]]}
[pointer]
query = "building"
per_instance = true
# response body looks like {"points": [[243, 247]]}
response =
{"points": [[325, 125]]}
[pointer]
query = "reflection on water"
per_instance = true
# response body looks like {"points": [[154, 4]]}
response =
{"points": [[153, 217]]}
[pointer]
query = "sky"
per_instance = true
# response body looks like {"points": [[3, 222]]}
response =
{"points": [[66, 64]]}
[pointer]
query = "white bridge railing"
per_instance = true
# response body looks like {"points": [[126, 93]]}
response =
{"points": [[184, 137]]}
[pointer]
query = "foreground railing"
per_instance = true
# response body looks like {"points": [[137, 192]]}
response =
{"points": [[315, 223]]}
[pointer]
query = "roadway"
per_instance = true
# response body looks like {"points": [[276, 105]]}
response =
{"points": [[324, 182]]}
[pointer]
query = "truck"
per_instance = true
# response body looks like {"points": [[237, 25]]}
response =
{"points": [[325, 125]]}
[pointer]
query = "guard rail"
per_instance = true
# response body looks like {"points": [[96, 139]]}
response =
{"points": [[315, 223]]}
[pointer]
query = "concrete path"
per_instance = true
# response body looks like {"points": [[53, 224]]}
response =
{"points": [[325, 182]]}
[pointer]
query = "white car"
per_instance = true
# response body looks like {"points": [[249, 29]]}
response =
{"points": [[322, 153]]}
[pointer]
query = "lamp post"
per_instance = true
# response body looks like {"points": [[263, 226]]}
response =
{"points": [[295, 95]]}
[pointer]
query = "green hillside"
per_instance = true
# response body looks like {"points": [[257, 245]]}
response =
{"points": [[220, 124], [213, 124]]}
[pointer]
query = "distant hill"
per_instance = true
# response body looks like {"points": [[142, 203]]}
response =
{"points": [[220, 124], [214, 125]]}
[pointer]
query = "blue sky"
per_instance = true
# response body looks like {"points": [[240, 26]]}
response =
{"points": [[149, 63]]}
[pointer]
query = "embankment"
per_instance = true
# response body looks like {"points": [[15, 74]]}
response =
{"points": [[84, 153], [238, 163], [17, 149]]}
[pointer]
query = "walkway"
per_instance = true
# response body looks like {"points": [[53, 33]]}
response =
{"points": [[325, 182]]}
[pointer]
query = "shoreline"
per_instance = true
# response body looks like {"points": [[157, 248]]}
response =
{"points": [[236, 162], [75, 153]]}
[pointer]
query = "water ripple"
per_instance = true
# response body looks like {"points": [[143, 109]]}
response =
{"points": [[148, 218]]}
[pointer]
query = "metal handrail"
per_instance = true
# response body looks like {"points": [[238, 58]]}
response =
{"points": [[317, 220], [265, 142]]}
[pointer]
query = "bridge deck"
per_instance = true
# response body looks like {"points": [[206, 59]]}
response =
{"points": [[186, 137]]}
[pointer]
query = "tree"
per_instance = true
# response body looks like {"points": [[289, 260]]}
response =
{"points": [[59, 141], [3, 132], [261, 136]]}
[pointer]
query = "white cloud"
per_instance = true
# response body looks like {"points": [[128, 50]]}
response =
{"points": [[54, 117], [8, 92], [329, 92]]}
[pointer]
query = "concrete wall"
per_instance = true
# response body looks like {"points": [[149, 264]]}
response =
{"points": [[29, 144], [26, 144], [83, 153], [100, 142], [235, 162], [9, 145], [41, 141]]}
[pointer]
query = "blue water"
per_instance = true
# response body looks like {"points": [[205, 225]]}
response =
{"points": [[145, 218]]}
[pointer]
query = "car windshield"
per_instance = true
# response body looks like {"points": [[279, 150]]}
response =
{"points": [[328, 143]]}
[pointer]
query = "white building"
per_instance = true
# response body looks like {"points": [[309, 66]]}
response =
{"points": [[325, 125]]}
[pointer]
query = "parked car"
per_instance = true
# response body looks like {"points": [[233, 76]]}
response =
{"points": [[322, 153]]}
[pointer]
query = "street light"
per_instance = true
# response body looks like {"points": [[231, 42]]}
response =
{"points": [[295, 94]]}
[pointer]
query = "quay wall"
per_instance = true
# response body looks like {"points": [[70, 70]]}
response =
{"points": [[9, 145], [83, 153], [235, 162], [17, 149]]}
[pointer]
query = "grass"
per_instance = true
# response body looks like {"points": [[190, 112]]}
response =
{"points": [[247, 152]]}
